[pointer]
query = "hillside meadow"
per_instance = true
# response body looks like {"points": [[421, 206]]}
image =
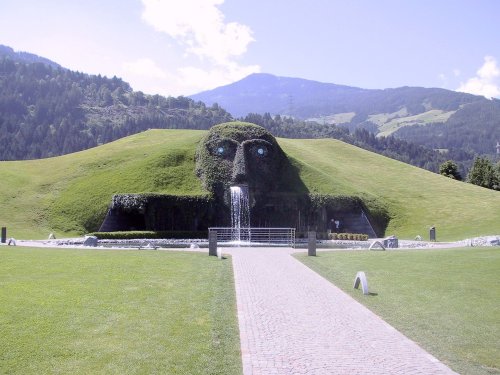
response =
{"points": [[69, 195]]}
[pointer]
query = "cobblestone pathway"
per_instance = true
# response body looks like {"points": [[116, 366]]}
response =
{"points": [[293, 321]]}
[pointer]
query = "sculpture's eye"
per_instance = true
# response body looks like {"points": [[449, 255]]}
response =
{"points": [[224, 149], [261, 151]]}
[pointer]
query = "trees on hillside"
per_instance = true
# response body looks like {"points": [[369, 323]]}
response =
{"points": [[47, 111], [450, 169], [484, 173]]}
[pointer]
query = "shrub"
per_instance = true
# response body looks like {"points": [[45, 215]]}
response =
{"points": [[348, 236], [132, 235]]}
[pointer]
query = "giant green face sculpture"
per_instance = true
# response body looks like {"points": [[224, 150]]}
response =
{"points": [[239, 154]]}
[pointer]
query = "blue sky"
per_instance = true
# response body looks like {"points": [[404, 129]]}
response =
{"points": [[180, 47]]}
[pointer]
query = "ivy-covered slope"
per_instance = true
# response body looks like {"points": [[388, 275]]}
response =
{"points": [[69, 195]]}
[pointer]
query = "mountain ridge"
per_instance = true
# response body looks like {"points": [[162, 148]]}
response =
{"points": [[284, 87], [26, 56], [385, 112]]}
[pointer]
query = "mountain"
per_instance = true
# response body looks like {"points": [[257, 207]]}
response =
{"points": [[433, 117], [261, 93], [46, 110], [25, 57]]}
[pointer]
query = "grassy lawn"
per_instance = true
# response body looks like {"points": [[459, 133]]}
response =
{"points": [[448, 301], [116, 312]]}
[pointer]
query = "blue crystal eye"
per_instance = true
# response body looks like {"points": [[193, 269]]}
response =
{"points": [[220, 150], [260, 151]]}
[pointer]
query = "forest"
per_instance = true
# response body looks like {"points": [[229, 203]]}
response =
{"points": [[48, 111]]}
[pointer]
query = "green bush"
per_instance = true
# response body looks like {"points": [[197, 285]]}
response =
{"points": [[348, 236], [132, 235]]}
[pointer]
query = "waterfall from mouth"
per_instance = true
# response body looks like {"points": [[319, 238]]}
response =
{"points": [[240, 213]]}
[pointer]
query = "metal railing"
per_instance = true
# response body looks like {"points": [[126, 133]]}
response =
{"points": [[255, 236]]}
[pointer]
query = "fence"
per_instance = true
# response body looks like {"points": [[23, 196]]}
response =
{"points": [[255, 236]]}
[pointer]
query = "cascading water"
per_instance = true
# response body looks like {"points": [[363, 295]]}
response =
{"points": [[240, 213]]}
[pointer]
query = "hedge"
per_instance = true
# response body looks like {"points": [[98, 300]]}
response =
{"points": [[348, 236], [132, 235]]}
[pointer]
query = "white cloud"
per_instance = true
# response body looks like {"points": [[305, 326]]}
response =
{"points": [[145, 68], [486, 82], [199, 79], [456, 72], [145, 75], [199, 28]]}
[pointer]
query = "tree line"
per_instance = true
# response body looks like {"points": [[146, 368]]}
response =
{"points": [[483, 172]]}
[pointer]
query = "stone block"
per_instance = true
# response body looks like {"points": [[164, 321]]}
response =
{"points": [[90, 241]]}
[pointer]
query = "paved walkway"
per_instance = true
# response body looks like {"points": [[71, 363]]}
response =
{"points": [[293, 321]]}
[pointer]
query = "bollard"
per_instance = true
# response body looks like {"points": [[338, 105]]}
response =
{"points": [[432, 234], [212, 243], [4, 234], [311, 246]]}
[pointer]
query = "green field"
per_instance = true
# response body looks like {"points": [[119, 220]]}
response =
{"points": [[445, 300], [69, 195], [388, 123], [430, 117], [115, 312]]}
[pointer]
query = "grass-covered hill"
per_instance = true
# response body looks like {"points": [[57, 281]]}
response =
{"points": [[70, 194]]}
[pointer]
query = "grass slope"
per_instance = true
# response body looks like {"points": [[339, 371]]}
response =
{"points": [[415, 199], [445, 300], [69, 195], [116, 312]]}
